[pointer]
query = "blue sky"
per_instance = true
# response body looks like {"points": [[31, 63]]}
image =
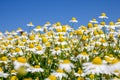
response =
{"points": [[17, 13]]}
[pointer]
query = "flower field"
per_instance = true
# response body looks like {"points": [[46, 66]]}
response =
{"points": [[60, 52]]}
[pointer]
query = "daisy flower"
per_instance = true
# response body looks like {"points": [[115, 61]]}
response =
{"points": [[66, 65], [95, 67], [83, 56], [34, 69], [103, 16], [56, 51], [21, 61], [2, 74], [59, 73], [38, 28], [30, 24], [74, 20], [93, 21]]}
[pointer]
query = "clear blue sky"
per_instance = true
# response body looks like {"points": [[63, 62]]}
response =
{"points": [[17, 13]]}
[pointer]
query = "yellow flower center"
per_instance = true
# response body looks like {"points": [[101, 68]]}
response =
{"points": [[10, 39], [118, 20], [14, 78], [102, 23], [30, 79], [6, 44], [49, 61], [73, 18], [48, 44], [24, 40], [84, 37], [30, 23], [80, 78], [66, 62], [61, 39], [100, 32], [83, 28], [95, 25], [21, 59], [92, 76], [1, 69], [57, 48], [97, 60], [17, 49], [52, 77], [32, 37], [111, 36], [79, 32], [4, 58], [64, 29], [44, 39], [31, 46], [59, 30], [39, 47], [13, 71], [94, 19], [58, 24], [103, 14], [37, 66], [84, 53], [95, 33], [19, 29], [90, 25], [38, 27], [60, 70], [103, 40], [13, 58], [79, 71], [111, 23]]}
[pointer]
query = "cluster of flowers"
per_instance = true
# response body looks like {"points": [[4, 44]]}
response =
{"points": [[59, 52]]}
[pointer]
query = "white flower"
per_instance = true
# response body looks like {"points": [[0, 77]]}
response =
{"points": [[83, 56], [66, 65], [36, 68], [103, 15], [97, 66], [19, 30], [5, 75], [56, 51], [30, 24], [21, 61], [38, 28], [73, 20], [59, 74], [93, 21]]}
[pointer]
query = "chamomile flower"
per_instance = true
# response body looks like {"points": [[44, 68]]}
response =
{"points": [[56, 51], [74, 20], [83, 56], [93, 21], [95, 67], [21, 61], [30, 24], [59, 73], [38, 28], [4, 60], [103, 15], [47, 24], [51, 77], [19, 30], [39, 50], [66, 65], [2, 74], [34, 69]]}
